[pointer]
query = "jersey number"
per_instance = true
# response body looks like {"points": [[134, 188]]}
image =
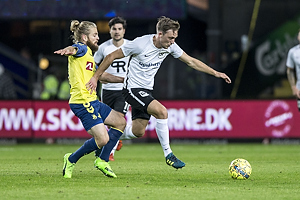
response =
{"points": [[118, 65], [89, 66]]}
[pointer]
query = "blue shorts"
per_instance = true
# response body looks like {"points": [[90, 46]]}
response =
{"points": [[91, 114]]}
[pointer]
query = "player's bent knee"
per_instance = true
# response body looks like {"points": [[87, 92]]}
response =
{"points": [[138, 133], [102, 142], [121, 124], [163, 114]]}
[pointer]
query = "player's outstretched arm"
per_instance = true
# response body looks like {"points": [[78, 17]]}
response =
{"points": [[200, 66], [67, 51], [223, 76]]}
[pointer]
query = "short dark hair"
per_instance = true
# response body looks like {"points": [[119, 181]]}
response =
{"points": [[164, 24], [117, 20]]}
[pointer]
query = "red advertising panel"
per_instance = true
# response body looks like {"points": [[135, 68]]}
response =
{"points": [[39, 119], [55, 119], [231, 119], [15, 119], [187, 119]]}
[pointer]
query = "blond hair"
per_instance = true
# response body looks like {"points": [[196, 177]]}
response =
{"points": [[80, 28], [164, 24]]}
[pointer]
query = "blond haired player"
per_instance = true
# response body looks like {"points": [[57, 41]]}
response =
{"points": [[146, 55]]}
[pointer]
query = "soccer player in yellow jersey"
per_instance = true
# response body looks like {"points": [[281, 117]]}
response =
{"points": [[92, 113]]}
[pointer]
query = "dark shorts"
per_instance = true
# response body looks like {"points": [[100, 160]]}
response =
{"points": [[139, 99], [115, 100], [91, 114]]}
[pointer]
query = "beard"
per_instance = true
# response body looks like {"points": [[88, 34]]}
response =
{"points": [[93, 47]]}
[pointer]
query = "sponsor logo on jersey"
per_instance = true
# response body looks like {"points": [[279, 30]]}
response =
{"points": [[89, 66], [150, 64]]}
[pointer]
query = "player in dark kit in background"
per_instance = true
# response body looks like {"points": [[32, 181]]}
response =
{"points": [[111, 93], [146, 55]]}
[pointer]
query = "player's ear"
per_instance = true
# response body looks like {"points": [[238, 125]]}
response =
{"points": [[84, 37], [160, 34]]}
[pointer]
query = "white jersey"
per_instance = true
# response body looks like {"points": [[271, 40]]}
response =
{"points": [[293, 61], [118, 66], [145, 60]]}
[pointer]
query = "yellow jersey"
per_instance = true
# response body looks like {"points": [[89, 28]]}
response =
{"points": [[81, 68]]}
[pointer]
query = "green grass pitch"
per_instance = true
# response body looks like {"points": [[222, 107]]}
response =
{"points": [[34, 171]]}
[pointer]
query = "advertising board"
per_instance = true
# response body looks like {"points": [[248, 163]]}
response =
{"points": [[186, 119]]}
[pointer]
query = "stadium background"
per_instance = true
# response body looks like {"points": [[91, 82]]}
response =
{"points": [[213, 31]]}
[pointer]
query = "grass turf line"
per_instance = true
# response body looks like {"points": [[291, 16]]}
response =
{"points": [[34, 171]]}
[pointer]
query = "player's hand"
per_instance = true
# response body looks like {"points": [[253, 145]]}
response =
{"points": [[91, 85], [223, 76], [296, 92], [68, 51]]}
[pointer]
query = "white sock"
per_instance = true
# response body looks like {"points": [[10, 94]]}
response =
{"points": [[115, 148], [127, 135], [162, 131]]}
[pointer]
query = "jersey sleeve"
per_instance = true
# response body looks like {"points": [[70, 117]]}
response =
{"points": [[289, 61], [176, 51], [133, 47], [98, 57], [82, 49]]}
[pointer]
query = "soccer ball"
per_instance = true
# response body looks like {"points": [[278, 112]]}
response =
{"points": [[240, 169]]}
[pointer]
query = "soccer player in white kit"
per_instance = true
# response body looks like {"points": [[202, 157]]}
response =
{"points": [[146, 55], [293, 65], [111, 93]]}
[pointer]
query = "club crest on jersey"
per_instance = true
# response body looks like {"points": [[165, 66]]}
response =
{"points": [[162, 55], [143, 94], [89, 66]]}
